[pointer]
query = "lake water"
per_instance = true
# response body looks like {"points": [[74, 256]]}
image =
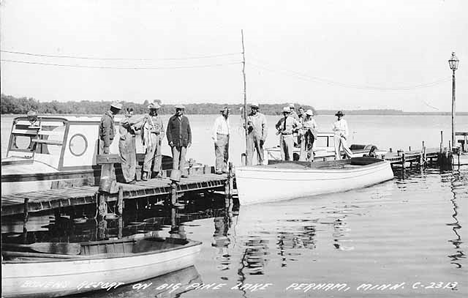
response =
{"points": [[409, 233]]}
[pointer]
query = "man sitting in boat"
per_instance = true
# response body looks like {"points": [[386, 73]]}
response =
{"points": [[107, 128], [286, 126], [340, 129], [309, 133]]}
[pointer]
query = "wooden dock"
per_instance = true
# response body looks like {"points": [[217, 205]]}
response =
{"points": [[157, 189]]}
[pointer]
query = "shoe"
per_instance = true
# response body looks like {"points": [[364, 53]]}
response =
{"points": [[184, 176], [131, 182], [219, 173], [144, 177]]}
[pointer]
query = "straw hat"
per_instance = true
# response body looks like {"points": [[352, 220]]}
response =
{"points": [[310, 113], [286, 110], [180, 107], [116, 105], [254, 105], [154, 106]]}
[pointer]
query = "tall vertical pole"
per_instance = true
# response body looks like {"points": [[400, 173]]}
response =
{"points": [[245, 90], [453, 109]]}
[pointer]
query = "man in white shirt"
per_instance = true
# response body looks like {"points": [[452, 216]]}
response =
{"points": [[286, 126], [340, 128], [221, 132]]}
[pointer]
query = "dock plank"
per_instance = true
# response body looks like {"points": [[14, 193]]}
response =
{"points": [[58, 198]]}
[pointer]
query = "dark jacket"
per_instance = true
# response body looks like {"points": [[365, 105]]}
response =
{"points": [[106, 129], [178, 131]]}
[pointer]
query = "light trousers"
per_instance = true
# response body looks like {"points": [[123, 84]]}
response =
{"points": [[287, 147], [254, 144], [127, 149], [340, 142], [221, 152], [153, 154]]}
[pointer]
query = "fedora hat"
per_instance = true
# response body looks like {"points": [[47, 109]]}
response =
{"points": [[291, 106], [254, 105], [154, 106], [225, 109], [116, 105], [310, 113], [180, 107], [339, 113], [286, 110]]}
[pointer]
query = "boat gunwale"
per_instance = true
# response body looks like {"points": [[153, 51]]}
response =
{"points": [[305, 169], [103, 256]]}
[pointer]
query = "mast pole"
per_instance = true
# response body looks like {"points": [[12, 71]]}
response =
{"points": [[245, 90]]}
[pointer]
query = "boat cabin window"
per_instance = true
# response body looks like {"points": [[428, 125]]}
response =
{"points": [[78, 144]]}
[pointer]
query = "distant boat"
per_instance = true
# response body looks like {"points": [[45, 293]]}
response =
{"points": [[282, 180], [324, 149], [100, 265]]}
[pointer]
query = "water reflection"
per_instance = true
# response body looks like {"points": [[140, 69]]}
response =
{"points": [[173, 284], [455, 185]]}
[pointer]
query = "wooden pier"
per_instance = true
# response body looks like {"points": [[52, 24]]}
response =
{"points": [[156, 189]]}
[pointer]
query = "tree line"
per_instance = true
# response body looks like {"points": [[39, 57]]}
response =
{"points": [[13, 105]]}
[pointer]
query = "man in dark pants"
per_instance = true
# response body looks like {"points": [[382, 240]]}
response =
{"points": [[107, 128], [179, 137]]}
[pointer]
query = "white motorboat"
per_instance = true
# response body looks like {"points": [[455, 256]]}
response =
{"points": [[281, 180]]}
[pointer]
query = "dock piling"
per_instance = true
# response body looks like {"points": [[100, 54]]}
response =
{"points": [[120, 201]]}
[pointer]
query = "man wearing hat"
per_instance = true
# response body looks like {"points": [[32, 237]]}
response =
{"points": [[107, 128], [179, 137], [293, 113], [340, 129], [309, 135], [152, 136], [286, 126], [221, 132], [256, 134]]}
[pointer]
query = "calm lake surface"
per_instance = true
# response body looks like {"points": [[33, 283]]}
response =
{"points": [[410, 233]]}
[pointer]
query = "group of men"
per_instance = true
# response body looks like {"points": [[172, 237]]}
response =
{"points": [[179, 138], [293, 129]]}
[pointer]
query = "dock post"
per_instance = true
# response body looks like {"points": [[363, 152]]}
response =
{"points": [[102, 205], [25, 219], [175, 178], [120, 201], [26, 210], [441, 141]]}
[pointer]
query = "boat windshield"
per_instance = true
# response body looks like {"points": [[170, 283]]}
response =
{"points": [[42, 140]]}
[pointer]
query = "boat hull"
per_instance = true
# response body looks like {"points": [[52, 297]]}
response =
{"points": [[261, 184], [55, 278]]}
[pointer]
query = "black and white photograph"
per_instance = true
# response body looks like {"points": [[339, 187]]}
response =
{"points": [[248, 148]]}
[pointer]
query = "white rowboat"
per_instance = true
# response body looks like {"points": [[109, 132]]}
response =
{"points": [[281, 181], [101, 265]]}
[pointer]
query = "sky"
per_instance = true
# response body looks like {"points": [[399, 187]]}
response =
{"points": [[346, 54]]}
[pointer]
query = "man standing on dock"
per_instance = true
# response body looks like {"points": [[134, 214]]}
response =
{"points": [[107, 128], [286, 126], [256, 134], [340, 129], [127, 148], [179, 137], [153, 134], [221, 132]]}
